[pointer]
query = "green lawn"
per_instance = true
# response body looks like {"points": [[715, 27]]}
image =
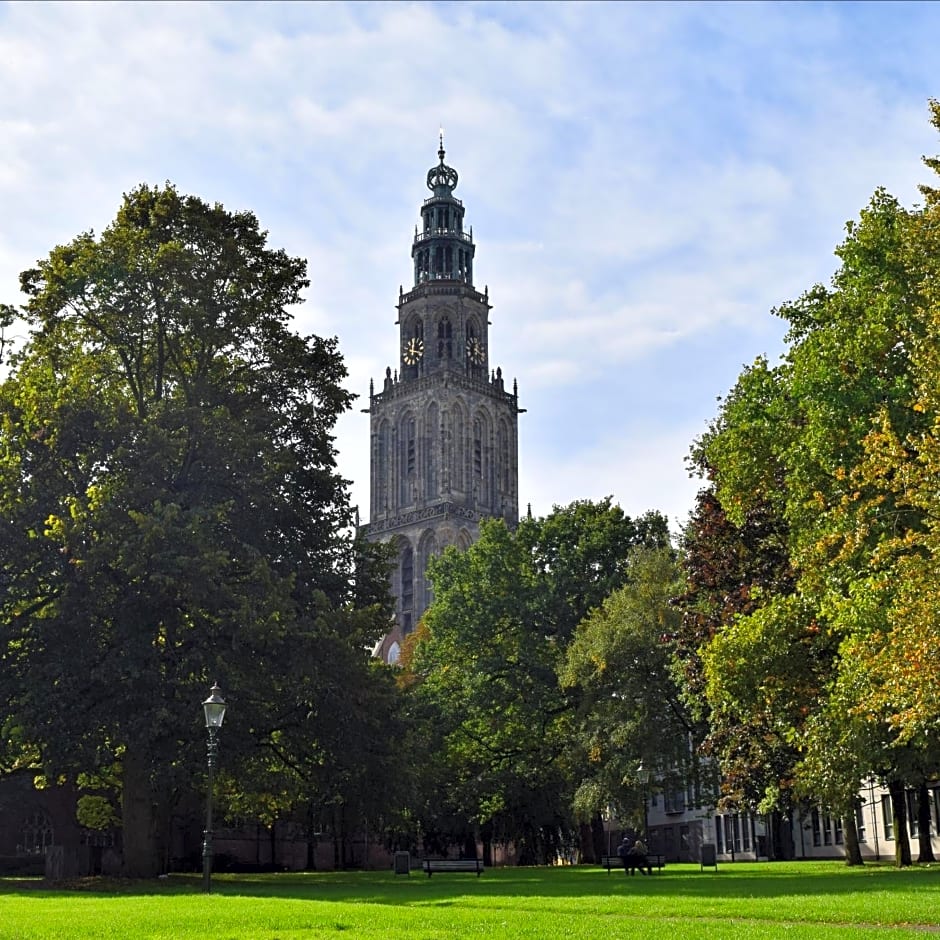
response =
{"points": [[745, 900]]}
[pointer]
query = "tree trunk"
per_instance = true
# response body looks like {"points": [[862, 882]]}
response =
{"points": [[925, 847], [311, 839], [902, 844], [487, 835], [469, 849], [853, 851], [337, 857], [782, 830], [141, 854], [599, 838], [586, 843]]}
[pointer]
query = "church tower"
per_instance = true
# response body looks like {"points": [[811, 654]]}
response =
{"points": [[444, 429]]}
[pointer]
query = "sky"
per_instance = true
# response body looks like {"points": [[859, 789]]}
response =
{"points": [[646, 181]]}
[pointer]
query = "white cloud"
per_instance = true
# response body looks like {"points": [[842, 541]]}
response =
{"points": [[645, 181]]}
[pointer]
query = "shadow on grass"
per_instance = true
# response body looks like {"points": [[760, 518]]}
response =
{"points": [[742, 880]]}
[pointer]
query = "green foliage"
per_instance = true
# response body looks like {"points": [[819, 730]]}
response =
{"points": [[484, 671], [629, 713], [581, 554], [96, 812], [170, 506], [488, 666], [829, 660]]}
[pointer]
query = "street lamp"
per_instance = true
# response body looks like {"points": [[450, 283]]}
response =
{"points": [[214, 707]]}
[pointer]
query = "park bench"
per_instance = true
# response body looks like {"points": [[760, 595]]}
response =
{"points": [[431, 865], [652, 861]]}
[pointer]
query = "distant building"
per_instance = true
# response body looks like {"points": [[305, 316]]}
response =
{"points": [[677, 828], [444, 438]]}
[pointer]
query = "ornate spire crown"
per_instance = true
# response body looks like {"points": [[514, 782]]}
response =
{"points": [[442, 179]]}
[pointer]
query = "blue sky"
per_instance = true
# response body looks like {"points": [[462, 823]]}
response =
{"points": [[646, 182]]}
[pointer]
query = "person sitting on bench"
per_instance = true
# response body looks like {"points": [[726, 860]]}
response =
{"points": [[634, 856]]}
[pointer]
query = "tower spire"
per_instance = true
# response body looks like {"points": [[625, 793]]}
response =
{"points": [[441, 249]]}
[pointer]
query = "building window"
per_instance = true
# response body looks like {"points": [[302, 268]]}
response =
{"points": [[746, 833], [407, 587], [408, 482], [912, 820], [445, 339], [732, 833], [719, 841], [817, 828], [887, 818], [478, 448], [428, 550], [837, 830], [37, 834], [827, 829], [431, 448], [381, 469], [860, 823], [674, 801], [505, 470]]}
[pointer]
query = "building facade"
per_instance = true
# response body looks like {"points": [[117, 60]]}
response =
{"points": [[444, 428], [677, 826]]}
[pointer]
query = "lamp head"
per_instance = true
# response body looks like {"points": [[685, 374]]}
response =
{"points": [[214, 707]]}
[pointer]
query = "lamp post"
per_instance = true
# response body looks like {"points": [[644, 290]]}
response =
{"points": [[214, 708], [643, 776], [609, 821]]}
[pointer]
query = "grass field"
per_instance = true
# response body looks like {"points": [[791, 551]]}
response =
{"points": [[794, 900]]}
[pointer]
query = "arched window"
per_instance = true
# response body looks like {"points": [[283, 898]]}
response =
{"points": [[428, 550], [382, 447], [445, 339], [36, 834], [407, 438], [431, 452], [502, 445], [407, 589], [481, 459], [457, 455]]}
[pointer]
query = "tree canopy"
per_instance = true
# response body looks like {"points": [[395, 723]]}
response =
{"points": [[826, 645], [487, 660], [171, 508]]}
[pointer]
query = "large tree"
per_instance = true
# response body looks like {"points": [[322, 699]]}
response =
{"points": [[486, 662], [487, 670], [630, 719], [835, 443], [729, 571], [171, 508]]}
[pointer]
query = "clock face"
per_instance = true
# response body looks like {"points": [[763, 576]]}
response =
{"points": [[475, 351], [413, 351]]}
